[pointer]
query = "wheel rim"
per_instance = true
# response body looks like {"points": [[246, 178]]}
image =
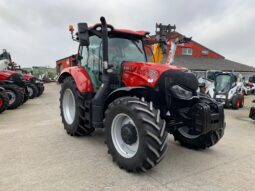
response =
{"points": [[124, 149], [30, 91], [68, 106], [185, 132], [12, 96], [237, 103], [1, 102]]}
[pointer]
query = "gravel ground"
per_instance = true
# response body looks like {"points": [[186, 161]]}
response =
{"points": [[37, 154]]}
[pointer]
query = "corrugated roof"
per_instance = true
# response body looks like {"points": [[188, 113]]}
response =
{"points": [[198, 63]]}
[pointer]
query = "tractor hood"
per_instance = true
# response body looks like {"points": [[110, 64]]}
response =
{"points": [[145, 73], [9, 75], [6, 74], [27, 77]]}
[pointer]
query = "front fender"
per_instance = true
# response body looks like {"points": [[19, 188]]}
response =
{"points": [[126, 91], [80, 76]]}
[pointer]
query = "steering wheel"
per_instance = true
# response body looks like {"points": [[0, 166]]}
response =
{"points": [[116, 62]]}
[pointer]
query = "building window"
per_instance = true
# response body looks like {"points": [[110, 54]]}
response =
{"points": [[204, 52], [187, 51]]}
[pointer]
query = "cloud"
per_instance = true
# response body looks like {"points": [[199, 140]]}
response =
{"points": [[36, 32]]}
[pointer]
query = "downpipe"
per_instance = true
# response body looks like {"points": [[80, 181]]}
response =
{"points": [[98, 102]]}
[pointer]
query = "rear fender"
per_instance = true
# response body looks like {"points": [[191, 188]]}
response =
{"points": [[80, 76], [6, 82]]}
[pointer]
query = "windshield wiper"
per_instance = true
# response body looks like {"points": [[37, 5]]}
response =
{"points": [[137, 46]]}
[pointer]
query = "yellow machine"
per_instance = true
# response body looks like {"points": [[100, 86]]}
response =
{"points": [[162, 43], [157, 56]]}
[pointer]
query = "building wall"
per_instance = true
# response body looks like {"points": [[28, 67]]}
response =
{"points": [[64, 63], [197, 50]]}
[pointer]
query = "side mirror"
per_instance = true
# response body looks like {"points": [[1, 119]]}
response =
{"points": [[83, 34]]}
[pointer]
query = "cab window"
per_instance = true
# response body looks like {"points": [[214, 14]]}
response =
{"points": [[91, 57]]}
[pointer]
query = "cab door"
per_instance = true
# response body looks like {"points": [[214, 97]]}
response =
{"points": [[90, 58]]}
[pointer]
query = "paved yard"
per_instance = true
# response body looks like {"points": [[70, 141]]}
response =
{"points": [[37, 154]]}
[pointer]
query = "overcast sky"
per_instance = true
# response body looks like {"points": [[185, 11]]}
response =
{"points": [[36, 32]]}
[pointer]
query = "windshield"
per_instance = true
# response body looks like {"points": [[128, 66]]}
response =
{"points": [[4, 64], [19, 71], [122, 49], [211, 75], [223, 83], [252, 79]]}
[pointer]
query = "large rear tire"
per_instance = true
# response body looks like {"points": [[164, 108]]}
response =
{"points": [[72, 109], [135, 134], [3, 101], [32, 90], [15, 95]]}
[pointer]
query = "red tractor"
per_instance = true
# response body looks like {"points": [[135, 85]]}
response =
{"points": [[15, 87], [34, 85], [136, 102]]}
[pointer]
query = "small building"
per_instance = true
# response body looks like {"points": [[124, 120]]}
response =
{"points": [[200, 59], [194, 48], [64, 63]]}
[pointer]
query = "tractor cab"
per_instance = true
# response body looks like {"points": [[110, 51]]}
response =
{"points": [[121, 49], [252, 79]]}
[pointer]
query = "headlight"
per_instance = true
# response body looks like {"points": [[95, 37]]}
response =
{"points": [[181, 93]]}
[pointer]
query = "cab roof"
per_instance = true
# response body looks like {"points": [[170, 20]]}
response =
{"points": [[125, 32]]}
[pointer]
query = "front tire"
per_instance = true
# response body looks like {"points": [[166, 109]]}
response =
{"points": [[40, 90], [32, 90], [241, 101], [26, 95], [72, 109], [235, 102], [138, 141], [15, 95], [207, 140]]}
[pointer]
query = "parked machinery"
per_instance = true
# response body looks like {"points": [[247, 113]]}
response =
{"points": [[228, 90], [252, 112], [137, 102], [164, 44], [15, 87], [34, 85], [251, 84]]}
